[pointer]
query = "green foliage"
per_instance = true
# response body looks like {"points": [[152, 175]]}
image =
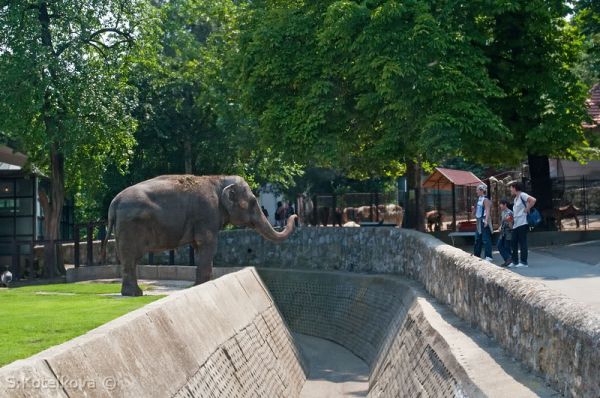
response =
{"points": [[127, 90], [188, 114], [587, 20], [364, 85], [532, 52], [64, 69], [367, 86], [330, 181]]}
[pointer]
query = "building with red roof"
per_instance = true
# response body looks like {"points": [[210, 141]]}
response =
{"points": [[593, 105]]}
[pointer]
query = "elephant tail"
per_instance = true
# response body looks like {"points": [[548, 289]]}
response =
{"points": [[111, 222]]}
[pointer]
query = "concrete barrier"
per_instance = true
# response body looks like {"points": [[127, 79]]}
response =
{"points": [[413, 346], [222, 338]]}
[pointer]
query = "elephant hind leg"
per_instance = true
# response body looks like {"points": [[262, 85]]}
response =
{"points": [[130, 284]]}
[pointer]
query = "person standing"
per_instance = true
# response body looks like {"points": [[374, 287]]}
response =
{"points": [[483, 235], [280, 215], [505, 238], [289, 212], [265, 211], [521, 207]]}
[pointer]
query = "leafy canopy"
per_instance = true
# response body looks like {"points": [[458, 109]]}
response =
{"points": [[64, 77], [366, 86]]}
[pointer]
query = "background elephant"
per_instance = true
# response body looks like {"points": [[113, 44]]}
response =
{"points": [[174, 210]]}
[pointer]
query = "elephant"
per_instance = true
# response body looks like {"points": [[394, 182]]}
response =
{"points": [[174, 210]]}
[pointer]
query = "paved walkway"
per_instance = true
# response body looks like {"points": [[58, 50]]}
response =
{"points": [[573, 270]]}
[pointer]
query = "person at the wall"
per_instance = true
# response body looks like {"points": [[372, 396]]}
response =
{"points": [[265, 211], [521, 206], [483, 234], [505, 238], [280, 215]]}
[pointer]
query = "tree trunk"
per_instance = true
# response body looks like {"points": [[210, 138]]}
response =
{"points": [[187, 156], [414, 212], [52, 206], [541, 188]]}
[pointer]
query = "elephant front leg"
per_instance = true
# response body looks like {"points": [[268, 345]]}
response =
{"points": [[204, 260]]}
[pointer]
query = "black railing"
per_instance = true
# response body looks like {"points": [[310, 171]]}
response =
{"points": [[89, 237]]}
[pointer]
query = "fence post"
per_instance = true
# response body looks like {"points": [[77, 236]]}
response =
{"points": [[315, 212], [371, 201], [191, 250], [453, 207], [334, 210], [90, 243], [585, 203], [150, 258], [29, 267], [15, 257], [171, 257], [76, 245]]}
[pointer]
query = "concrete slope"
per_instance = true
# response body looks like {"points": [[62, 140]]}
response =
{"points": [[223, 338], [412, 345]]}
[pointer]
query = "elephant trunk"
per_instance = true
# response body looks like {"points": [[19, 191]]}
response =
{"points": [[264, 227]]}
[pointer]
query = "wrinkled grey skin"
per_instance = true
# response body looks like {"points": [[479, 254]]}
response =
{"points": [[174, 210]]}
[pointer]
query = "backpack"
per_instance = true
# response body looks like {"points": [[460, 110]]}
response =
{"points": [[534, 218]]}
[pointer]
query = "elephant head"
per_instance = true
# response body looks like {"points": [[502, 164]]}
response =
{"points": [[243, 210]]}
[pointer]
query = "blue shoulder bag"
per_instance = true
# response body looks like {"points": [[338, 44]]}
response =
{"points": [[534, 218]]}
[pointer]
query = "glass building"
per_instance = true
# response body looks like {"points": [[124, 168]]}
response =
{"points": [[21, 216]]}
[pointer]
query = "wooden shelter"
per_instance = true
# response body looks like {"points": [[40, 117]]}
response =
{"points": [[447, 180]]}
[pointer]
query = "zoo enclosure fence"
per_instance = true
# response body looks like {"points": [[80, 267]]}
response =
{"points": [[583, 193], [327, 209]]}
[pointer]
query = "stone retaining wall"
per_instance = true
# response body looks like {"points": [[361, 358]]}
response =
{"points": [[224, 338], [548, 332]]}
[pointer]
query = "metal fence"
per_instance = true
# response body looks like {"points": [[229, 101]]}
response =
{"points": [[335, 210], [441, 213], [575, 202]]}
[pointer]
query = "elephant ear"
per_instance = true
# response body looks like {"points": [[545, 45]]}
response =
{"points": [[229, 196]]}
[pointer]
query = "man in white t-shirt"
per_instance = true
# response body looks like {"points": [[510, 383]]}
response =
{"points": [[521, 207]]}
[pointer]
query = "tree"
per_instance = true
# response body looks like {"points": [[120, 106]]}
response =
{"points": [[189, 118], [533, 51], [65, 99], [368, 86]]}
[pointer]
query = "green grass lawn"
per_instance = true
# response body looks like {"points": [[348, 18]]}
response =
{"points": [[33, 318]]}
